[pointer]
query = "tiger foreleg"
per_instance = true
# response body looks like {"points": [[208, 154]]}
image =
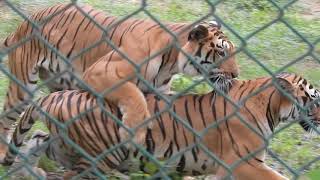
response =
{"points": [[134, 112], [106, 74]]}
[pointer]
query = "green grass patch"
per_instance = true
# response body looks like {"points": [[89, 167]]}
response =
{"points": [[314, 175]]}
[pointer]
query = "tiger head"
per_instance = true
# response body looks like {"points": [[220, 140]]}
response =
{"points": [[209, 50], [306, 109]]}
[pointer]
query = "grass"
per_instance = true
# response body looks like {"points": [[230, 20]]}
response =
{"points": [[275, 47]]}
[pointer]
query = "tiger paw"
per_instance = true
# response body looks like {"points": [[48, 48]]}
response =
{"points": [[138, 136], [134, 117]]}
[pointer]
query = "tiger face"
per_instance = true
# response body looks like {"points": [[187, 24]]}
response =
{"points": [[211, 51], [306, 110], [309, 98]]}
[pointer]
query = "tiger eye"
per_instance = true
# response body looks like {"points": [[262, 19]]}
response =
{"points": [[304, 82], [310, 86], [212, 44], [221, 53]]}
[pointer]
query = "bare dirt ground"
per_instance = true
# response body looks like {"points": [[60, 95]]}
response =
{"points": [[311, 8]]}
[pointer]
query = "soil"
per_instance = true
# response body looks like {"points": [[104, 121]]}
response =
{"points": [[311, 8]]}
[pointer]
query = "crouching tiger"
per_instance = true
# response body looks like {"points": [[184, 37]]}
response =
{"points": [[229, 140], [68, 30]]}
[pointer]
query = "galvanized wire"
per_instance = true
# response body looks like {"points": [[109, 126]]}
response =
{"points": [[162, 169]]}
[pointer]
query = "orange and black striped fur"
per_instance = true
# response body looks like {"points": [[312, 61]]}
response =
{"points": [[215, 125], [67, 29]]}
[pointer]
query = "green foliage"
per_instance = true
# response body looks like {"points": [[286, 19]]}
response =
{"points": [[182, 82], [3, 87], [314, 175], [150, 170], [47, 165]]}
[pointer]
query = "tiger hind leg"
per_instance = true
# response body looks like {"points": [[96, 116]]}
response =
{"points": [[15, 104], [17, 93]]}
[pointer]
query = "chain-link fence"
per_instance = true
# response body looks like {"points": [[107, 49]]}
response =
{"points": [[270, 36]]}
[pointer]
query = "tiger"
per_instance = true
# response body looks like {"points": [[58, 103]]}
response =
{"points": [[66, 28], [223, 130]]}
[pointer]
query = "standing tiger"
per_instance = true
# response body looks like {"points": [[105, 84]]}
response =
{"points": [[212, 117], [69, 31]]}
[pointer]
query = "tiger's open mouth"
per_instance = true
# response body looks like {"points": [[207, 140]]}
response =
{"points": [[205, 62], [311, 126], [222, 80]]}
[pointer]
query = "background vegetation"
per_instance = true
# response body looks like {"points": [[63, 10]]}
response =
{"points": [[275, 46]]}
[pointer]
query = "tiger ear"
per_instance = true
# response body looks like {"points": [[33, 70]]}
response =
{"points": [[197, 33], [285, 85], [215, 24]]}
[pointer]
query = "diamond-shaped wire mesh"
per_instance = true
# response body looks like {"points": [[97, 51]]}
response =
{"points": [[271, 36]]}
